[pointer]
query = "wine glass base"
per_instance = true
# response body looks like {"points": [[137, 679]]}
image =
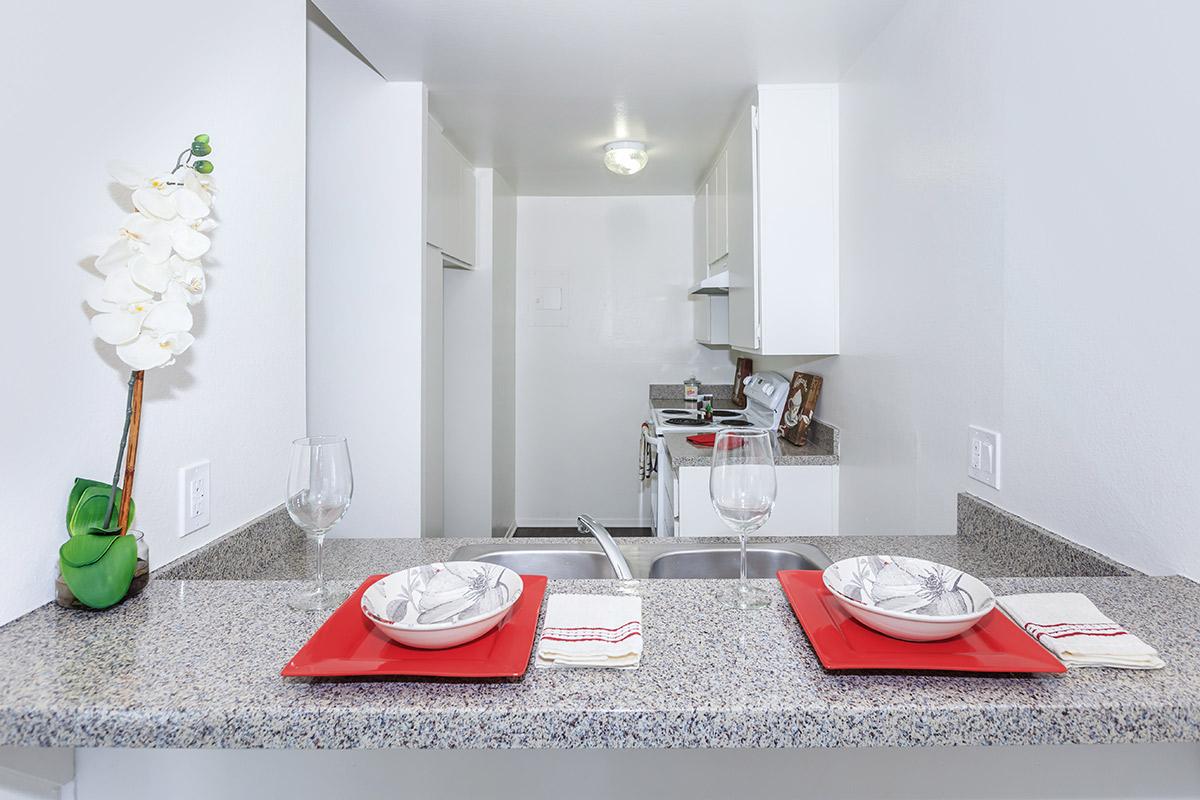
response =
{"points": [[745, 597], [322, 599]]}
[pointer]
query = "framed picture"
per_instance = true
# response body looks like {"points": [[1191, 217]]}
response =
{"points": [[801, 403], [744, 367]]}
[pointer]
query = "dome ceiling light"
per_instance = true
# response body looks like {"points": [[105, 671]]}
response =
{"points": [[625, 158]]}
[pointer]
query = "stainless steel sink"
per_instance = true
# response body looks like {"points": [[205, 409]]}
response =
{"points": [[725, 562], [648, 558], [557, 563]]}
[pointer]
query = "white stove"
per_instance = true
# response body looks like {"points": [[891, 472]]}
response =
{"points": [[766, 394], [681, 420]]}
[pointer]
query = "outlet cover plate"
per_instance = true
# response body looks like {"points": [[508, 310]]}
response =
{"points": [[983, 456], [195, 498]]}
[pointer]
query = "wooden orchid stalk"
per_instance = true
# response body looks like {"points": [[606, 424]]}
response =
{"points": [[152, 276]]}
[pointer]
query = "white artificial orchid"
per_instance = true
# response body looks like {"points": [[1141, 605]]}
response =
{"points": [[161, 196], [152, 271]]}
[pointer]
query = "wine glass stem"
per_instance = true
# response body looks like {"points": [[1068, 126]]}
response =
{"points": [[320, 581], [742, 563]]}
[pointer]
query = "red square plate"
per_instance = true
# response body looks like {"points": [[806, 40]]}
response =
{"points": [[350, 644], [996, 644]]}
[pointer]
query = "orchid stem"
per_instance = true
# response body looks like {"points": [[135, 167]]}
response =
{"points": [[112, 495], [181, 162]]}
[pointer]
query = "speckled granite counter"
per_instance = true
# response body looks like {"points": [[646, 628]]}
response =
{"points": [[195, 662], [819, 453]]}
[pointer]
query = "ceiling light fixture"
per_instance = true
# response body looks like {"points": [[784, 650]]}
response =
{"points": [[624, 158]]}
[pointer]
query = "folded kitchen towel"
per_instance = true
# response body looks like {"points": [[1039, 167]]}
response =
{"points": [[591, 630], [1070, 626]]}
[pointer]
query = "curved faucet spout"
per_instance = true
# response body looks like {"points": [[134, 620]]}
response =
{"points": [[615, 557]]}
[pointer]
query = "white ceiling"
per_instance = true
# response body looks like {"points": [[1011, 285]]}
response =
{"points": [[535, 88]]}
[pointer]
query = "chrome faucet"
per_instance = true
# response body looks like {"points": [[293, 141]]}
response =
{"points": [[615, 556]]}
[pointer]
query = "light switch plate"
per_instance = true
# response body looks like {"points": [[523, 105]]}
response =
{"points": [[195, 498], [550, 299], [983, 456]]}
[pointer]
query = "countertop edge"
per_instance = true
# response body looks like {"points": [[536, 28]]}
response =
{"points": [[605, 729]]}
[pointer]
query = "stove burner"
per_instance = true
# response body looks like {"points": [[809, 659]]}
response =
{"points": [[724, 413], [734, 423], [675, 412], [684, 421]]}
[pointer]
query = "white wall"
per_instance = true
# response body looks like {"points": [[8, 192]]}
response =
{"points": [[466, 380], [479, 371], [921, 273], [1101, 242], [135, 80], [624, 265], [365, 247], [504, 355], [431, 420], [1018, 251]]}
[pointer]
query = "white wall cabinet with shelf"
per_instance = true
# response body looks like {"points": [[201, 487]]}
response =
{"points": [[771, 222], [449, 199], [710, 312], [710, 317]]}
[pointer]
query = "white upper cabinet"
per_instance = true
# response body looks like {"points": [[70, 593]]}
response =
{"points": [[715, 191], [721, 181], [743, 260], [463, 247], [449, 199], [710, 218], [782, 207], [700, 236]]}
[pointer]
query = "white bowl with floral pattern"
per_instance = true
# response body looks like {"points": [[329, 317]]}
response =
{"points": [[441, 605], [909, 598]]}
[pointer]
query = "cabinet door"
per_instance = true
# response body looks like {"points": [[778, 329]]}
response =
{"points": [[744, 286], [464, 249], [435, 190], [721, 181], [710, 216], [701, 328], [700, 237]]}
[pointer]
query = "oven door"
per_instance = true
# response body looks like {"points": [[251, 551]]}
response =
{"points": [[668, 491], [649, 495]]}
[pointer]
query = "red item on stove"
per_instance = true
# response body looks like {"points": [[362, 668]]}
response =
{"points": [[710, 439]]}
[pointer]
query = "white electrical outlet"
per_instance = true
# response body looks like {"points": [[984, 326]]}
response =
{"points": [[983, 461], [195, 506]]}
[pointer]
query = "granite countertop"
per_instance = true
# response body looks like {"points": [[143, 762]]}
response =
{"points": [[819, 453], [194, 662]]}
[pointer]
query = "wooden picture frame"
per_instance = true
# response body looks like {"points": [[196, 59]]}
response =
{"points": [[744, 368], [798, 410]]}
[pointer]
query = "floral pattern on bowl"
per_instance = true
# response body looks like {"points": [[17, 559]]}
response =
{"points": [[908, 585], [909, 598], [443, 595]]}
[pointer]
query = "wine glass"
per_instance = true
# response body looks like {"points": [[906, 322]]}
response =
{"points": [[319, 487], [742, 487]]}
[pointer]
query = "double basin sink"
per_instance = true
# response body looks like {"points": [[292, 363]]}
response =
{"points": [[647, 558]]}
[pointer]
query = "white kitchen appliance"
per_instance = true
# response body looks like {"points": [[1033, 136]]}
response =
{"points": [[766, 395]]}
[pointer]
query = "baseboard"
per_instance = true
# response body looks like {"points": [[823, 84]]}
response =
{"points": [[570, 522]]}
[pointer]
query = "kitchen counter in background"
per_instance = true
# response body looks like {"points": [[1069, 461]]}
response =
{"points": [[194, 662], [820, 451]]}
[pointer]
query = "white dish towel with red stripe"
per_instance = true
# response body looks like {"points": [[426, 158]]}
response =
{"points": [[1070, 626], [591, 630]]}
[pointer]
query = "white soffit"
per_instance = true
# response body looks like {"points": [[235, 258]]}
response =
{"points": [[536, 88]]}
